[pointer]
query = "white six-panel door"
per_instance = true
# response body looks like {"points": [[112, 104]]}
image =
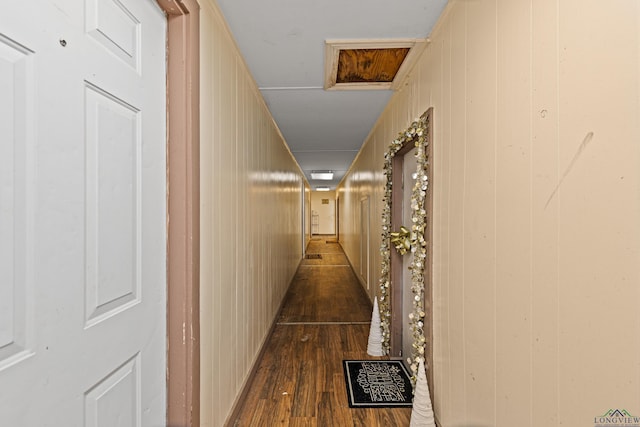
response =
{"points": [[82, 213]]}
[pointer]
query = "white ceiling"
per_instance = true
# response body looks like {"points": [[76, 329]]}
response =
{"points": [[283, 42]]}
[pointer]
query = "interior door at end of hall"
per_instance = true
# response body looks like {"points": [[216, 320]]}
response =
{"points": [[410, 164], [82, 213]]}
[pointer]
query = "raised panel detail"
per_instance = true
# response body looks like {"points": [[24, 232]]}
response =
{"points": [[112, 204], [112, 25], [16, 142], [115, 400]]}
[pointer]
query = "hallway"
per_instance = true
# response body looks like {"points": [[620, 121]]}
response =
{"points": [[324, 319]]}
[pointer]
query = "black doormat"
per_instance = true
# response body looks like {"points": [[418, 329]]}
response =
{"points": [[377, 383]]}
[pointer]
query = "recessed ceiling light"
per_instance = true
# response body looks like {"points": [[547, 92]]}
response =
{"points": [[323, 189], [322, 175]]}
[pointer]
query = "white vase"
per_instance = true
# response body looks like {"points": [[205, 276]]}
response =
{"points": [[422, 413], [374, 347]]}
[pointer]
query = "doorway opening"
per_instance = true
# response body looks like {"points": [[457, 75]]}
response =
{"points": [[323, 213]]}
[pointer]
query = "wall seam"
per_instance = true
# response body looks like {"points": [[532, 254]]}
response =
{"points": [[495, 228], [449, 220], [464, 214], [558, 199], [530, 219]]}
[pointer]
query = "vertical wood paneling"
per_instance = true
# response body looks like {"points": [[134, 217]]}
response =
{"points": [[251, 229], [226, 176], [598, 205], [536, 231], [544, 227], [214, 188], [208, 368], [457, 374], [479, 218], [513, 214], [441, 204]]}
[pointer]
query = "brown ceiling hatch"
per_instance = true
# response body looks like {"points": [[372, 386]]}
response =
{"points": [[369, 64]]}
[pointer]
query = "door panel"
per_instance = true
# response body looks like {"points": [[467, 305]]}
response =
{"points": [[409, 167], [16, 139], [82, 213], [112, 213]]}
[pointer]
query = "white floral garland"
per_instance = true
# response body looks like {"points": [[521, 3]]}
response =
{"points": [[416, 133]]}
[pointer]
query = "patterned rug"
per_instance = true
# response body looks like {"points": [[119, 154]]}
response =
{"points": [[377, 383]]}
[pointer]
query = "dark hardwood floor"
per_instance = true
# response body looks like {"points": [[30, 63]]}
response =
{"points": [[324, 320]]}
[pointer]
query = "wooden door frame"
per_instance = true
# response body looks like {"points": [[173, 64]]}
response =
{"points": [[183, 212], [396, 259]]}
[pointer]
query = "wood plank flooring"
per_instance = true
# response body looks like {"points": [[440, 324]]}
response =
{"points": [[300, 381]]}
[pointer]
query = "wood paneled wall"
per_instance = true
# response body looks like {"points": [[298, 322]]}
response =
{"points": [[251, 219], [536, 208]]}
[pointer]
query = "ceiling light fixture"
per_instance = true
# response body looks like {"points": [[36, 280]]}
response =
{"points": [[323, 189], [322, 175]]}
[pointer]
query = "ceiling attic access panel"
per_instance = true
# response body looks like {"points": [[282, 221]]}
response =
{"points": [[369, 64]]}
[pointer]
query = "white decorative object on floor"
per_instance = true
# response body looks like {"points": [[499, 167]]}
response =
{"points": [[422, 413], [374, 347]]}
